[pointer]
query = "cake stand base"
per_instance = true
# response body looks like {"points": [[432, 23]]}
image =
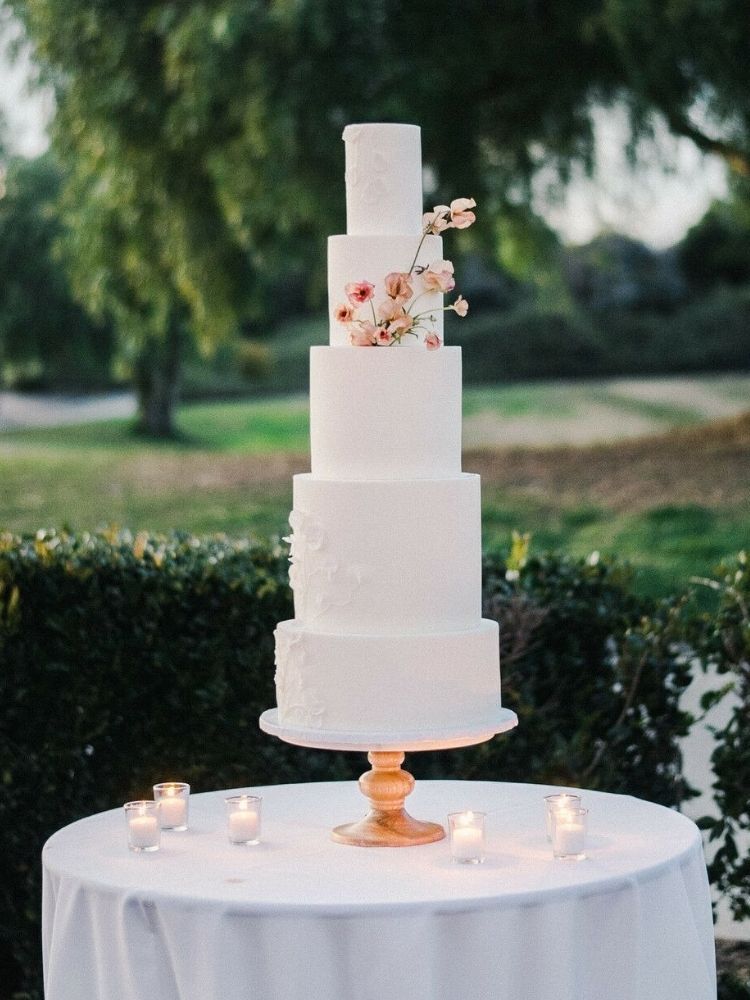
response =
{"points": [[387, 824], [387, 784]]}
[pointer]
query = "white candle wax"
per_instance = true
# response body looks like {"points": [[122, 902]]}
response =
{"points": [[557, 802], [143, 831], [467, 843], [173, 810], [569, 837], [244, 825]]}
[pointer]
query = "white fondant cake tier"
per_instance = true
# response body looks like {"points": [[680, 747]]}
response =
{"points": [[366, 683], [372, 258], [399, 416], [386, 531], [386, 557], [383, 178]]}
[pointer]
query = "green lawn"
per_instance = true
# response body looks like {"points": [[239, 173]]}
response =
{"points": [[666, 545], [230, 471]]}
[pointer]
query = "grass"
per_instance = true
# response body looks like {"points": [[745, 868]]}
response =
{"points": [[666, 546], [230, 471], [254, 427], [521, 400]]}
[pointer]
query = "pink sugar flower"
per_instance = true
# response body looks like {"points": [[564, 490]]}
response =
{"points": [[359, 291], [383, 337], [461, 217], [460, 306], [397, 286], [432, 341], [344, 313], [439, 277]]}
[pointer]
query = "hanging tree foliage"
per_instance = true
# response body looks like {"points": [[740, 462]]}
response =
{"points": [[203, 136]]}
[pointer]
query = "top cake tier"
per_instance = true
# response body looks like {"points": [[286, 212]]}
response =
{"points": [[383, 180]]}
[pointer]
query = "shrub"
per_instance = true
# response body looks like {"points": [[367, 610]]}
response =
{"points": [[724, 644], [593, 672], [526, 343], [711, 334], [127, 659]]}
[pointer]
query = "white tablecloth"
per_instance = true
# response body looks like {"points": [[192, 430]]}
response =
{"points": [[302, 918]]}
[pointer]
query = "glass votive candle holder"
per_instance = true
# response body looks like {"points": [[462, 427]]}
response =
{"points": [[466, 831], [560, 800], [144, 830], [243, 819], [173, 798], [569, 833]]}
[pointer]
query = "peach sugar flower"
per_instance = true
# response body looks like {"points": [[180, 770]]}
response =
{"points": [[432, 341], [460, 306], [436, 221], [439, 277], [390, 309], [461, 217], [359, 292], [397, 286], [401, 325], [365, 336]]}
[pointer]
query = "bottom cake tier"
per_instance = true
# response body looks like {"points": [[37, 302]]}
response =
{"points": [[367, 683]]}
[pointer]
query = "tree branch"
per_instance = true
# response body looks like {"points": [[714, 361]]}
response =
{"points": [[737, 158]]}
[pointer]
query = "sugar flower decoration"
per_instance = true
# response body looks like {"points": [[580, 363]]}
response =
{"points": [[461, 217], [359, 292], [344, 313], [439, 277], [398, 314], [398, 287], [363, 334]]}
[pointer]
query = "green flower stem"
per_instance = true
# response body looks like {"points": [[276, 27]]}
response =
{"points": [[424, 233], [442, 309], [415, 299]]}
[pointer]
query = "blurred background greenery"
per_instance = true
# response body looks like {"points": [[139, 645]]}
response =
{"points": [[169, 238], [169, 173], [174, 233]]}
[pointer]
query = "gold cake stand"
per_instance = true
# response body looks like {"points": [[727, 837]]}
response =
{"points": [[386, 785]]}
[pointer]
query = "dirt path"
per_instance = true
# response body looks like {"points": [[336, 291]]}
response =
{"points": [[592, 422], [712, 399], [708, 464], [20, 410], [603, 411]]}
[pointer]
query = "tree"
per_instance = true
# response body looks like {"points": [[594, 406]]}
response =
{"points": [[716, 251], [42, 328], [203, 134]]}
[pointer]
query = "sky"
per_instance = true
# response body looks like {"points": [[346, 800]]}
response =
{"points": [[657, 203], [26, 112]]}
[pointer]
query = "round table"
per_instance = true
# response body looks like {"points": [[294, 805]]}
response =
{"points": [[299, 917]]}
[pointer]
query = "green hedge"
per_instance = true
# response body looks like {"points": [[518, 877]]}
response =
{"points": [[527, 343], [127, 659], [724, 644]]}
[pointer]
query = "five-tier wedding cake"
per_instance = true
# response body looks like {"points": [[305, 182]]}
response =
{"points": [[388, 637]]}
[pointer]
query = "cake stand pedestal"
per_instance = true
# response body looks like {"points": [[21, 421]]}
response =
{"points": [[386, 785]]}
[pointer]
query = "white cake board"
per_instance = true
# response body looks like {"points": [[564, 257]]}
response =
{"points": [[408, 742]]}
